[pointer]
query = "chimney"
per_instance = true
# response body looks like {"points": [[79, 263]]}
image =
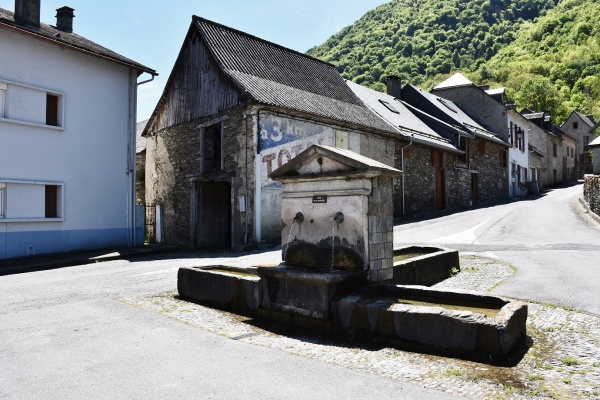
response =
{"points": [[394, 86], [64, 19], [27, 12]]}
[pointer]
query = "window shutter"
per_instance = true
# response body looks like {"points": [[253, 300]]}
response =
{"points": [[2, 91]]}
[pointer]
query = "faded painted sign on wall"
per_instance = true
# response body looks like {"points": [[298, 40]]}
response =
{"points": [[280, 139]]}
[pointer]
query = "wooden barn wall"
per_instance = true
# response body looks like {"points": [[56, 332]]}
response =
{"points": [[198, 88]]}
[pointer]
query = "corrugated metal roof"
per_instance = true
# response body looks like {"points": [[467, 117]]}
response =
{"points": [[454, 113], [68, 39], [403, 119], [275, 75]]}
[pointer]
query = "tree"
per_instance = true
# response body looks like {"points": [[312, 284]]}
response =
{"points": [[539, 94]]}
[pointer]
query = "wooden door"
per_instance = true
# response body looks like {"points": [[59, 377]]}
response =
{"points": [[439, 189], [213, 222], [474, 190]]}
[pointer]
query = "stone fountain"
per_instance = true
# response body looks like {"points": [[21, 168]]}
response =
{"points": [[338, 271]]}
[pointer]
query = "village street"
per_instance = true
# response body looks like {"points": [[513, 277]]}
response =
{"points": [[555, 250], [86, 331]]}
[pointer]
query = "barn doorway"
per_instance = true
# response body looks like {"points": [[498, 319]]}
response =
{"points": [[213, 215]]}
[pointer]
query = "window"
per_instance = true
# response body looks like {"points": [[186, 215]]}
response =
{"points": [[389, 106], [554, 151], [2, 190], [481, 146], [448, 104], [3, 87], [51, 201], [463, 146], [586, 141], [212, 149], [575, 125], [519, 175], [24, 201], [51, 110], [25, 104], [512, 134], [502, 155]]}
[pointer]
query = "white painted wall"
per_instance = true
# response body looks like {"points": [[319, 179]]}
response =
{"points": [[88, 156], [516, 156]]}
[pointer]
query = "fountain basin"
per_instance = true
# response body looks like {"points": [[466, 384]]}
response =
{"points": [[235, 289], [306, 291], [423, 265], [455, 322]]}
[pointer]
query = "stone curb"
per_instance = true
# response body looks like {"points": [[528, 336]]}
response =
{"points": [[73, 259], [587, 210]]}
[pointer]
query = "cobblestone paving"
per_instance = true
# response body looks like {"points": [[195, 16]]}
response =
{"points": [[562, 362]]}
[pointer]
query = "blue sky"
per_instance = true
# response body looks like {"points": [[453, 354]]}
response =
{"points": [[151, 31]]}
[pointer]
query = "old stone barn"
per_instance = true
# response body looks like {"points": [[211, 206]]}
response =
{"points": [[235, 108]]}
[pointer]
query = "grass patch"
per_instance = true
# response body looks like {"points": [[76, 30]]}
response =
{"points": [[568, 379], [471, 269], [535, 378], [569, 361]]}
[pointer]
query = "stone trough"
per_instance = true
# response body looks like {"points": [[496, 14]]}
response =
{"points": [[340, 273], [454, 322], [424, 265]]}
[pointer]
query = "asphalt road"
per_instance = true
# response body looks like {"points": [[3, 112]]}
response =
{"points": [[555, 248], [64, 334]]}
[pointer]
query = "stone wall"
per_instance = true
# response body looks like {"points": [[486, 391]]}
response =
{"points": [[492, 179], [591, 192], [420, 177], [381, 230], [173, 162], [419, 180]]}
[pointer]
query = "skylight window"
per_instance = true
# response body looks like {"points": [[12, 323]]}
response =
{"points": [[389, 106], [448, 105]]}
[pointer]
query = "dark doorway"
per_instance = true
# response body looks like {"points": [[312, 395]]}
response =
{"points": [[213, 215], [474, 190], [439, 189]]}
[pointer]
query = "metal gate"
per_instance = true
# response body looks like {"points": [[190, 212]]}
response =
{"points": [[150, 224]]}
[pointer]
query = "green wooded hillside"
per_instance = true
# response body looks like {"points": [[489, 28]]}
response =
{"points": [[545, 53], [553, 64]]}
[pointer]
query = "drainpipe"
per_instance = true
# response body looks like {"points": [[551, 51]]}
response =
{"points": [[246, 184], [131, 219], [402, 168], [257, 183]]}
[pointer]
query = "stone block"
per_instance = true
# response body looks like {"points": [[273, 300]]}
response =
{"points": [[228, 287], [381, 251], [432, 266], [375, 265]]}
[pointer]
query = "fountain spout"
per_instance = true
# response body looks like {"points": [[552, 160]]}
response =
{"points": [[299, 218], [339, 218]]}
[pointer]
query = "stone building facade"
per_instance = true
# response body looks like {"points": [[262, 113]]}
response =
{"points": [[583, 129], [224, 123], [490, 109]]}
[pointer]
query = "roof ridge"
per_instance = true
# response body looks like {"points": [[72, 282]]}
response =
{"points": [[76, 41], [286, 49]]}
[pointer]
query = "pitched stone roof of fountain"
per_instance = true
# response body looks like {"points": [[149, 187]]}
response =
{"points": [[354, 162]]}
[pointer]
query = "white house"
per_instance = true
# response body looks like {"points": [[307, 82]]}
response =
{"points": [[67, 138], [490, 108]]}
